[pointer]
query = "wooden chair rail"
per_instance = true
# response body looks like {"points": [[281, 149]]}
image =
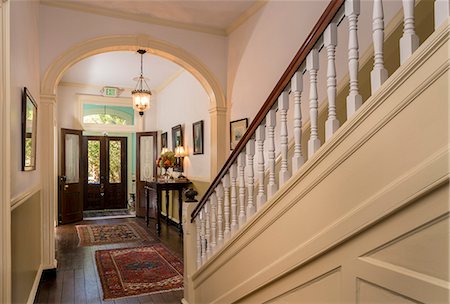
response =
{"points": [[295, 64]]}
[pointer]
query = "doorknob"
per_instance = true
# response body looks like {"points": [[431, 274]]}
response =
{"points": [[66, 187]]}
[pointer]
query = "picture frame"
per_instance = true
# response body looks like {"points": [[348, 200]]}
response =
{"points": [[177, 137], [29, 131], [164, 140], [197, 137], [237, 130]]}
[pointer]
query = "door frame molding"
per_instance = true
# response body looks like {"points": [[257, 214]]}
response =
{"points": [[5, 154]]}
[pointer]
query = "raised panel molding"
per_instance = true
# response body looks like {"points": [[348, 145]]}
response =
{"points": [[372, 293]]}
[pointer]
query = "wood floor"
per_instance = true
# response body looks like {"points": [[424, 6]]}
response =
{"points": [[77, 280]]}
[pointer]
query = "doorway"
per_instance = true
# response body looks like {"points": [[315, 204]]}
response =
{"points": [[106, 172]]}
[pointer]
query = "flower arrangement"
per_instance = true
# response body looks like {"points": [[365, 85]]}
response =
{"points": [[166, 160]]}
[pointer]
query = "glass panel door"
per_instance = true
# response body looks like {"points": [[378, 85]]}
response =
{"points": [[72, 158]]}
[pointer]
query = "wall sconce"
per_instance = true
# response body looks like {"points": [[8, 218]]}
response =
{"points": [[180, 153]]}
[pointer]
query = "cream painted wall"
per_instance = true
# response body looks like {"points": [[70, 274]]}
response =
{"points": [[61, 29], [24, 73], [184, 101]]}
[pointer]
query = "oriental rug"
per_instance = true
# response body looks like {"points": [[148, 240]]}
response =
{"points": [[91, 235], [136, 271]]}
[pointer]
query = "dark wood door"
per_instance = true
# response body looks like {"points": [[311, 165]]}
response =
{"points": [[146, 155], [106, 172], [71, 179]]}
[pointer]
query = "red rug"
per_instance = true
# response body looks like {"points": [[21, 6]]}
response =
{"points": [[136, 271], [91, 235]]}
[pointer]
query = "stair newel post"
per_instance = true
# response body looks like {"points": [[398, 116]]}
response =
{"points": [[354, 99], [219, 195], [226, 190], [441, 12], [330, 43], [272, 187], [241, 178], [297, 88], [250, 150], [199, 242], [409, 41], [283, 107], [379, 74], [207, 209], [312, 65], [213, 204], [260, 136], [234, 220], [203, 235]]}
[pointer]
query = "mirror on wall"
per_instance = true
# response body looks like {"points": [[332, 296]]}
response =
{"points": [[29, 131]]}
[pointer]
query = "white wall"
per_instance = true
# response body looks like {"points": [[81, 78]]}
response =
{"points": [[61, 29], [24, 73], [184, 101]]}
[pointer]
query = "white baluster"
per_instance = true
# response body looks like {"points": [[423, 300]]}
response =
{"points": [[226, 188], [441, 12], [241, 171], [354, 99], [272, 187], [213, 204], [330, 42], [234, 220], [219, 194], [203, 235], [250, 150], [379, 74], [297, 88], [199, 242], [312, 65], [409, 41], [283, 107], [207, 209], [260, 136]]}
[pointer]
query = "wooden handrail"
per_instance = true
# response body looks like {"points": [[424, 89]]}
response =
{"points": [[295, 64]]}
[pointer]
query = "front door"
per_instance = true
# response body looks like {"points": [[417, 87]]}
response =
{"points": [[71, 179], [146, 155], [106, 172]]}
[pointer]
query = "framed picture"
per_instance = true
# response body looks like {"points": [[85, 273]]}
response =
{"points": [[197, 133], [164, 140], [177, 137], [237, 130], [29, 131]]}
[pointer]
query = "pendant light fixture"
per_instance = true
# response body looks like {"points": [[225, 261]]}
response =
{"points": [[141, 94]]}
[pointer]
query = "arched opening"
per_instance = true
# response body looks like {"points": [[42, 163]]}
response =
{"points": [[49, 84]]}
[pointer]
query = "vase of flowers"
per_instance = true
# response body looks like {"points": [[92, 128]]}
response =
{"points": [[165, 161]]}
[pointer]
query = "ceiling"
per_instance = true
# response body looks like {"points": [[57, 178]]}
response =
{"points": [[217, 15], [120, 68]]}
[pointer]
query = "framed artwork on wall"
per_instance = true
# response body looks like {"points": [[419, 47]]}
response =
{"points": [[164, 140], [29, 131], [177, 137], [237, 130], [197, 133]]}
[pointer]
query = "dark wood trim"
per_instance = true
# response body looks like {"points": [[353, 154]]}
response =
{"points": [[295, 64]]}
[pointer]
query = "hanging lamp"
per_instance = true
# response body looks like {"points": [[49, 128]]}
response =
{"points": [[141, 93]]}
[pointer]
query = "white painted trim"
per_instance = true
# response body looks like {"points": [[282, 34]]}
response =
{"points": [[134, 17], [24, 196], [88, 86], [5, 154], [34, 289], [184, 301]]}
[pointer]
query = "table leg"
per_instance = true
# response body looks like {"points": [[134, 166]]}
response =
{"points": [[180, 211], [158, 211], [167, 207]]}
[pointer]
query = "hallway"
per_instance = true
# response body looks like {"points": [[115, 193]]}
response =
{"points": [[77, 280]]}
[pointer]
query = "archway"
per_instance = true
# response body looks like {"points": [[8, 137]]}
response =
{"points": [[47, 112]]}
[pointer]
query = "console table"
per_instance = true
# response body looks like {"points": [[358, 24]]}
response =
{"points": [[159, 187]]}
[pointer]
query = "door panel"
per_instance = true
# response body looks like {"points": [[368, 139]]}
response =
{"points": [[146, 150], [71, 185], [116, 181]]}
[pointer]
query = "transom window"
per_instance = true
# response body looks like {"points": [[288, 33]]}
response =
{"points": [[108, 115]]}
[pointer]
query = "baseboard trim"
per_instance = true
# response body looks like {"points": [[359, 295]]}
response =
{"points": [[35, 287], [184, 301]]}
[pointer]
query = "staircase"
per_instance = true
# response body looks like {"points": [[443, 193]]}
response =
{"points": [[344, 199]]}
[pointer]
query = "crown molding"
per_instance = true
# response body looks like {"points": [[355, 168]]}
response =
{"points": [[259, 4], [134, 17]]}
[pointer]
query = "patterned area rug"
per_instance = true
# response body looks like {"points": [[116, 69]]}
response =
{"points": [[91, 235], [136, 271]]}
